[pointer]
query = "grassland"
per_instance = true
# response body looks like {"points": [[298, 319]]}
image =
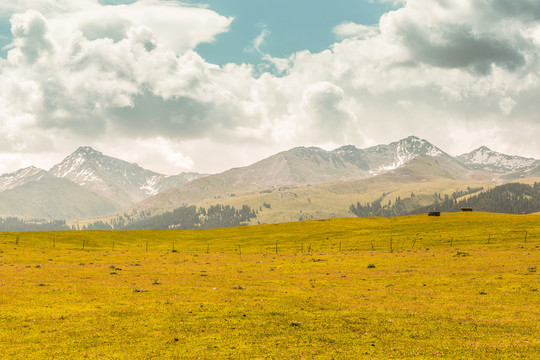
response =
{"points": [[333, 200], [462, 286], [422, 176]]}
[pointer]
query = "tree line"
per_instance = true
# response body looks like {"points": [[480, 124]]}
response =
{"points": [[513, 198], [185, 217], [11, 224]]}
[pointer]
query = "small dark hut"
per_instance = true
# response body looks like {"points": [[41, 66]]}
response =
{"points": [[466, 209], [434, 213]]}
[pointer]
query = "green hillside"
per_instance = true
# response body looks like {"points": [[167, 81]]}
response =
{"points": [[423, 176], [53, 198]]}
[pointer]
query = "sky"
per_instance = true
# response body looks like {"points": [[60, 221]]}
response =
{"points": [[209, 85]]}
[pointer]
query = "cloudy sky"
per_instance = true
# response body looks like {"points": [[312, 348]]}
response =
{"points": [[209, 85]]}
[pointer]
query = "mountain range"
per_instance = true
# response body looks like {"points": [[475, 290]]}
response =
{"points": [[485, 159], [85, 184], [89, 184], [117, 180]]}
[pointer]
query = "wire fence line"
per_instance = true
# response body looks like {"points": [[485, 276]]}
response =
{"points": [[174, 241]]}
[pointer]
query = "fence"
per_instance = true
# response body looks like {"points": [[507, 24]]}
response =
{"points": [[204, 242]]}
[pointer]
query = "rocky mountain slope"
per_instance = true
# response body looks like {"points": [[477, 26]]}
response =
{"points": [[85, 184], [309, 166], [381, 158], [20, 177], [423, 176], [120, 181], [117, 184], [485, 159], [48, 197], [526, 173]]}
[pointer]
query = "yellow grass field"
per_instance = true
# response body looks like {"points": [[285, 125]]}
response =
{"points": [[459, 286]]}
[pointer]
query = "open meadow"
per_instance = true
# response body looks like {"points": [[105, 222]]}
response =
{"points": [[458, 286]]}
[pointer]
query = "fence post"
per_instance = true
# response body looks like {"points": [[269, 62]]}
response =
{"points": [[372, 247], [276, 247], [526, 233], [83, 243], [391, 239], [414, 242], [147, 246], [240, 250], [340, 246]]}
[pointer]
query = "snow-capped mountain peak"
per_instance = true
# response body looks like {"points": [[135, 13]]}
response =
{"points": [[401, 152], [87, 150], [486, 159], [415, 145], [380, 158], [411, 147], [118, 180], [20, 177], [81, 167]]}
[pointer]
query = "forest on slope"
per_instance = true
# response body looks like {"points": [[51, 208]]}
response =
{"points": [[185, 217], [512, 198]]}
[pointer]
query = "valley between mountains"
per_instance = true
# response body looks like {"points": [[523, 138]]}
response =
{"points": [[298, 184]]}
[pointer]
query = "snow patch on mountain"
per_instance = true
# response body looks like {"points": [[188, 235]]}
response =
{"points": [[20, 177], [152, 185], [82, 167], [486, 159], [116, 179], [406, 150]]}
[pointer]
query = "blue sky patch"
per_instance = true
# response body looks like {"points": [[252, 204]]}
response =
{"points": [[292, 25]]}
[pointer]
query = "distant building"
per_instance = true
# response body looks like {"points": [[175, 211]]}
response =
{"points": [[466, 209], [434, 213]]}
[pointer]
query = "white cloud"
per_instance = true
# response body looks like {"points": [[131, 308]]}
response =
{"points": [[30, 32], [326, 117], [128, 77], [175, 27], [50, 6], [281, 65], [83, 67], [157, 154], [507, 105], [350, 29]]}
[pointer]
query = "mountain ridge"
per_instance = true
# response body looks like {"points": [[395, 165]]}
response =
{"points": [[106, 183], [20, 177], [422, 176], [49, 197], [132, 188], [484, 158], [118, 180], [412, 151]]}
